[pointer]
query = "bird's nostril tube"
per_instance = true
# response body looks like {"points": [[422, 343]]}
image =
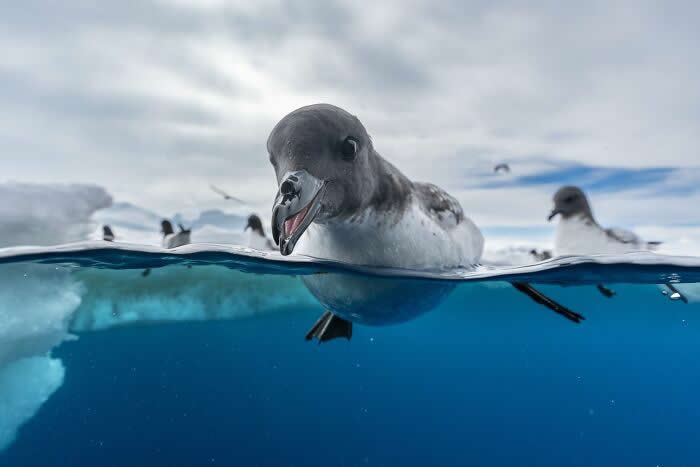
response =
{"points": [[287, 188]]}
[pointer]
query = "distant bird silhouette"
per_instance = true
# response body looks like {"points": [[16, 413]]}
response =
{"points": [[226, 196], [541, 255], [171, 239], [107, 234], [501, 168], [257, 238]]}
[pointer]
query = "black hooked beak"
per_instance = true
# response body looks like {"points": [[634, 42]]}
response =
{"points": [[296, 205], [554, 212]]}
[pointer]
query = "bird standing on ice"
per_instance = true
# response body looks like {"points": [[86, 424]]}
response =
{"points": [[172, 239], [353, 206], [107, 233], [256, 234]]}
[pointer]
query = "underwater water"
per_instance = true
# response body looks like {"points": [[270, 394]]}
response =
{"points": [[203, 362]]}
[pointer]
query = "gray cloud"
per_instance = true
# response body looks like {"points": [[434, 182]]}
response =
{"points": [[150, 96]]}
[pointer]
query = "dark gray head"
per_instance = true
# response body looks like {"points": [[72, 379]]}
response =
{"points": [[166, 228], [570, 201], [255, 224], [325, 166]]}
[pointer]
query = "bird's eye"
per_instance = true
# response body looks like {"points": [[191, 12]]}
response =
{"points": [[348, 148], [569, 198]]}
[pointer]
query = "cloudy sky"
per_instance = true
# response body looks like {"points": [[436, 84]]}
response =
{"points": [[155, 100]]}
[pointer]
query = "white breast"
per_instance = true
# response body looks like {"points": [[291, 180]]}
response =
{"points": [[412, 241], [579, 236], [176, 239], [258, 242]]}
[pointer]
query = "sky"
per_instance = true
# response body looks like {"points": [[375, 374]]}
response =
{"points": [[157, 99]]}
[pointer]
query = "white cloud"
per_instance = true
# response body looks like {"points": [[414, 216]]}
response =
{"points": [[156, 101]]}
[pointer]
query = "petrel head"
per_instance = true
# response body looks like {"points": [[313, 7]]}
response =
{"points": [[166, 227], [323, 159], [570, 201]]}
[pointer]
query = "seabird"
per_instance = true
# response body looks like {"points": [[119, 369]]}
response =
{"points": [[107, 234], [172, 239], [502, 167], [578, 233], [541, 255], [225, 195], [256, 234], [353, 206]]}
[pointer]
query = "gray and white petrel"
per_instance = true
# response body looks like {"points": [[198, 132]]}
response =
{"points": [[353, 206], [578, 232]]}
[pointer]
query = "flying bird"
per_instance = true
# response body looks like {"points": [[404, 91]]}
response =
{"points": [[501, 168], [225, 195]]}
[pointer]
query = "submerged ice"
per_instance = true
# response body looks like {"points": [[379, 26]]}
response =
{"points": [[42, 305], [177, 293], [36, 301]]}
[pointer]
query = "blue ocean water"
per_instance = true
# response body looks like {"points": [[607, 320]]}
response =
{"points": [[208, 366]]}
